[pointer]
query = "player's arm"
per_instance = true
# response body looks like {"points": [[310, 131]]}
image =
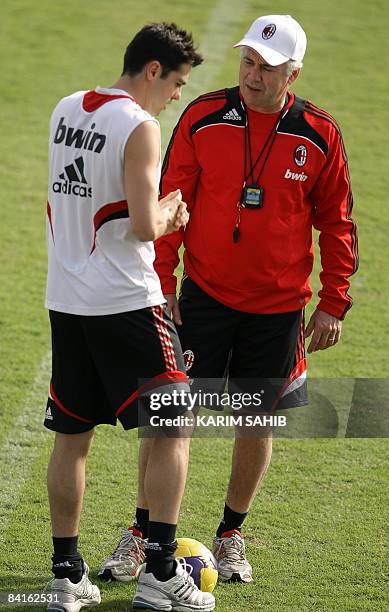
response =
{"points": [[150, 219]]}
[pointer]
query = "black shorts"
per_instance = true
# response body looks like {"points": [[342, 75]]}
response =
{"points": [[102, 365], [250, 349]]}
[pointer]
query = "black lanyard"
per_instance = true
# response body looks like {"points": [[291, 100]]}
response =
{"points": [[252, 193], [247, 145]]}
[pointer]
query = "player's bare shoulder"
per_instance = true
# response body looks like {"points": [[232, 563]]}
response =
{"points": [[144, 143]]}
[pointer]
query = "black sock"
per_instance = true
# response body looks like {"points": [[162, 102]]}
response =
{"points": [[231, 520], [65, 546], [67, 561], [141, 521], [160, 550]]}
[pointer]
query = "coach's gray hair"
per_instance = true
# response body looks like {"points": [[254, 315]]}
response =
{"points": [[291, 65]]}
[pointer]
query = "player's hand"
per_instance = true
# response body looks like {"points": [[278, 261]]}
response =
{"points": [[171, 201], [173, 307], [175, 209], [182, 216], [326, 330]]}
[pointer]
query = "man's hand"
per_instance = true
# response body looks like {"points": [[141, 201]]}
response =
{"points": [[173, 308], [178, 215], [182, 216], [326, 331], [170, 203]]}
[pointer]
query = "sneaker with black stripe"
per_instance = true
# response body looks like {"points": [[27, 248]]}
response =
{"points": [[179, 593], [65, 596]]}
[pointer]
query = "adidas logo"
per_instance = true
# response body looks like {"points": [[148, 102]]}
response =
{"points": [[153, 546], [48, 414], [232, 115], [74, 173], [62, 564]]}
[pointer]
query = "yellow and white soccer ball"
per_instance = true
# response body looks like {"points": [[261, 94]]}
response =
{"points": [[201, 560]]}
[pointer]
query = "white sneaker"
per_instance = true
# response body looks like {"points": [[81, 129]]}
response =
{"points": [[179, 593], [229, 552], [127, 560], [70, 597]]}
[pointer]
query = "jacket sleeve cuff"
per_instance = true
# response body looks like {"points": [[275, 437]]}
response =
{"points": [[169, 285], [336, 310]]}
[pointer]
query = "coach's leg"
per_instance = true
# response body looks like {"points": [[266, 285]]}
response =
{"points": [[144, 455], [141, 521], [250, 460], [66, 481]]}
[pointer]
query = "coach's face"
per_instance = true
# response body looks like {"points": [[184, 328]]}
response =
{"points": [[167, 88], [262, 86]]}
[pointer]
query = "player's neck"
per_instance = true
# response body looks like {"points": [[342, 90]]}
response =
{"points": [[133, 86]]}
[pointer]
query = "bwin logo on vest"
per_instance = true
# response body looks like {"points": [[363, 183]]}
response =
{"points": [[73, 180]]}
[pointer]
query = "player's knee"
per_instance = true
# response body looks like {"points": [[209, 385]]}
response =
{"points": [[73, 445]]}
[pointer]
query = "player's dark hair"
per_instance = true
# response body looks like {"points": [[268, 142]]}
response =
{"points": [[163, 42]]}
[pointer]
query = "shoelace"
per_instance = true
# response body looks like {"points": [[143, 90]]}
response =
{"points": [[86, 587], [129, 544], [188, 569], [233, 549], [188, 582]]}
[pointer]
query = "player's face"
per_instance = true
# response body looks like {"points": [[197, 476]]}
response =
{"points": [[169, 88], [262, 86]]}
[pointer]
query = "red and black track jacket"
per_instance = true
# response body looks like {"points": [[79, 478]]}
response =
{"points": [[306, 184]]}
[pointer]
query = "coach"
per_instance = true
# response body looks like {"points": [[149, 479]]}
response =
{"points": [[259, 168]]}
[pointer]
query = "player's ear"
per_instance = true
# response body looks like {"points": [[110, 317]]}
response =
{"points": [[153, 70]]}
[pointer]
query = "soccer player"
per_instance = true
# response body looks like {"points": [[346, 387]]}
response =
{"points": [[259, 167], [108, 320]]}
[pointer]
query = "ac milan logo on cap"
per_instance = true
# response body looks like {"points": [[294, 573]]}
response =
{"points": [[300, 155], [268, 31], [188, 359]]}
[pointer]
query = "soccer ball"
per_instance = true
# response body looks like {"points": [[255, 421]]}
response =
{"points": [[201, 560]]}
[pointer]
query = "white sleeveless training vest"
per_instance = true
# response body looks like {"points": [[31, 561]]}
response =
{"points": [[96, 265]]}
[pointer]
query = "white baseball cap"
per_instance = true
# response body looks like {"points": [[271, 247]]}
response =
{"points": [[277, 38]]}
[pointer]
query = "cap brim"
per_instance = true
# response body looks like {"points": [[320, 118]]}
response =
{"points": [[273, 58]]}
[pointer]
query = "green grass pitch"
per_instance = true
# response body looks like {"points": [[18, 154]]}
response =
{"points": [[316, 532]]}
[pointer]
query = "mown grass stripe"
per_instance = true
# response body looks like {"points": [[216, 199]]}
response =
{"points": [[25, 439], [217, 39]]}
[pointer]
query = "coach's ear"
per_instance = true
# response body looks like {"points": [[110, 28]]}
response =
{"points": [[293, 76]]}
